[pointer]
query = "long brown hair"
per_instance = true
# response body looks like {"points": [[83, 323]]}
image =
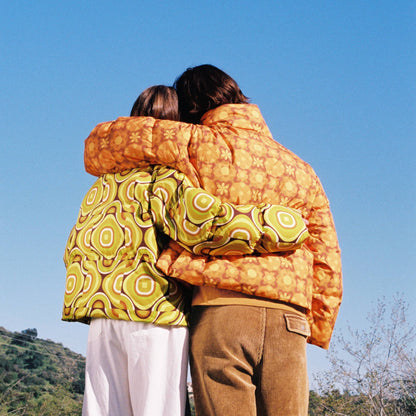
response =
{"points": [[158, 101], [203, 88]]}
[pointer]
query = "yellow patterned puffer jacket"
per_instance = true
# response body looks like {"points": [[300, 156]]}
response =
{"points": [[233, 156], [113, 248]]}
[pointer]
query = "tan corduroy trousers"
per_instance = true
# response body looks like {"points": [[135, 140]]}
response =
{"points": [[248, 360]]}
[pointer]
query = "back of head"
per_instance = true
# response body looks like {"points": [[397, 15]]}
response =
{"points": [[158, 101], [203, 88]]}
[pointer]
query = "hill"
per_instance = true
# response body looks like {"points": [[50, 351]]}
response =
{"points": [[39, 377]]}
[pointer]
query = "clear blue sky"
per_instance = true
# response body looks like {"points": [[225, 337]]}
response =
{"points": [[335, 81]]}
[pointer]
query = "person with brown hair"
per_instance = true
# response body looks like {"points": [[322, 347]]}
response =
{"points": [[251, 315], [198, 92], [158, 101], [137, 344]]}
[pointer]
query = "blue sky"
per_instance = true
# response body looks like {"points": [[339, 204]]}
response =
{"points": [[334, 80]]}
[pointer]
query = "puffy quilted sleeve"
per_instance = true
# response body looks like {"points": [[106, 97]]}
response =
{"points": [[319, 257], [203, 225], [327, 274], [131, 142]]}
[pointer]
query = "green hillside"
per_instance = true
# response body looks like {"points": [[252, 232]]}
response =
{"points": [[39, 377]]}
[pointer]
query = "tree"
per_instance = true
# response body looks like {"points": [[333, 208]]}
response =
{"points": [[376, 365], [32, 333]]}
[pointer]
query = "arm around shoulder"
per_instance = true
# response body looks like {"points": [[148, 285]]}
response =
{"points": [[131, 142]]}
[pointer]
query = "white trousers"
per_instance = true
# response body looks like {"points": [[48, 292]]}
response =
{"points": [[135, 369]]}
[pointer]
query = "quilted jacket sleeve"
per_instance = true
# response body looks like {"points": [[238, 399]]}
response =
{"points": [[199, 222], [131, 142], [327, 275]]}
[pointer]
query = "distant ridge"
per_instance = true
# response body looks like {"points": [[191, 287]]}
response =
{"points": [[39, 377]]}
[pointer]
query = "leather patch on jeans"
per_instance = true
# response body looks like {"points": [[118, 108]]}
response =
{"points": [[297, 324]]}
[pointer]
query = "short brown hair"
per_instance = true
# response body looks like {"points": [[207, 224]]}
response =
{"points": [[158, 101], [203, 88]]}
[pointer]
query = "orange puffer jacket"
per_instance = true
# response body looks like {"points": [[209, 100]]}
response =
{"points": [[233, 156]]}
